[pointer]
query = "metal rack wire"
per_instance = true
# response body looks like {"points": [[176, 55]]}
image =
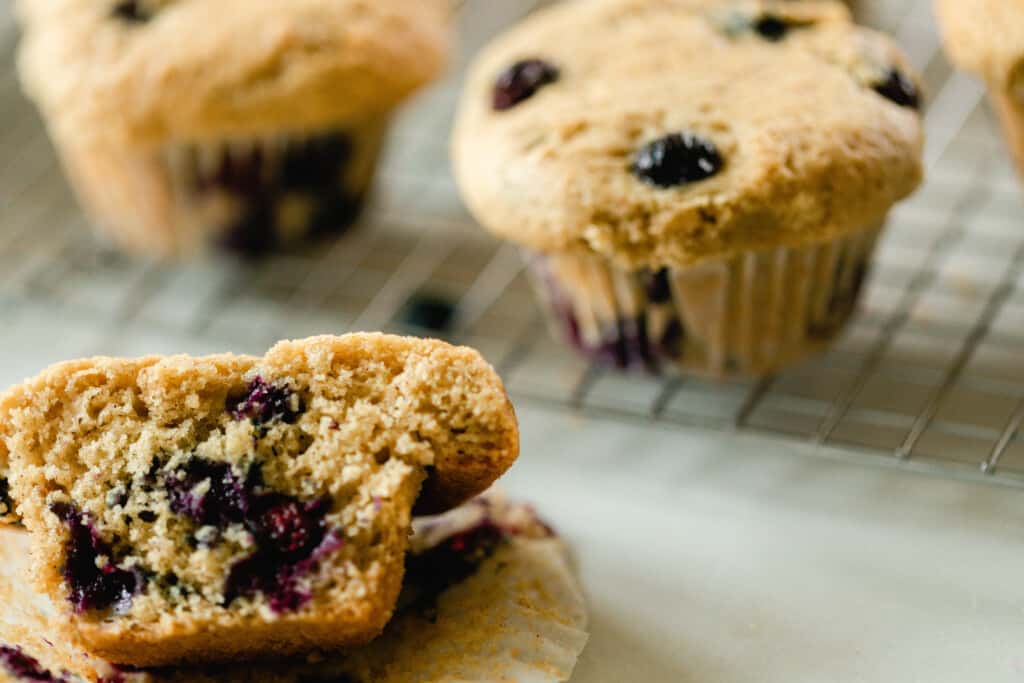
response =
{"points": [[930, 375]]}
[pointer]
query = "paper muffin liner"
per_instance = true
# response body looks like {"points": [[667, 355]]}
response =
{"points": [[744, 316], [249, 195], [1010, 108], [512, 612]]}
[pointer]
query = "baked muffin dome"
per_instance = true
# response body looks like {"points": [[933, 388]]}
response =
{"points": [[813, 120], [186, 125], [147, 71]]}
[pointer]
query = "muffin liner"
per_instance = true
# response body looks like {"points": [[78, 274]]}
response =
{"points": [[249, 195], [519, 615], [744, 316]]}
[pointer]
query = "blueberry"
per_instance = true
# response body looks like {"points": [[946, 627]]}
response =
{"points": [[429, 312], [276, 574], [659, 289], [316, 162], [900, 89], [131, 11], [266, 403], [771, 27], [92, 587], [288, 527], [289, 535], [434, 571], [6, 504], [521, 81], [223, 501], [676, 159], [25, 668]]}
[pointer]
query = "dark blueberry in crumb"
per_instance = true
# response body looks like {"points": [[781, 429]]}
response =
{"points": [[287, 526], [290, 535], [659, 289], [222, 503], [147, 516], [265, 403], [26, 668], [900, 89], [130, 11], [93, 588], [429, 312], [676, 159], [276, 574], [521, 81], [771, 27], [6, 504], [434, 571], [316, 162]]}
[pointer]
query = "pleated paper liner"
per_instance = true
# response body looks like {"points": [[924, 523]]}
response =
{"points": [[518, 616], [249, 195], [744, 316]]}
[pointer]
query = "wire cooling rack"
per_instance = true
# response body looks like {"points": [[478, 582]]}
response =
{"points": [[929, 376]]}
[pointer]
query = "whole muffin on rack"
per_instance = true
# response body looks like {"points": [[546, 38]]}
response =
{"points": [[698, 184], [251, 124], [986, 37]]}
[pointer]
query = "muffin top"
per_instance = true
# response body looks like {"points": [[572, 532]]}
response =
{"points": [[666, 132], [986, 37], [149, 71]]}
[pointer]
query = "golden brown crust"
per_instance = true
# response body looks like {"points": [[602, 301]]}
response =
{"points": [[476, 459], [811, 152], [379, 413], [296, 65]]}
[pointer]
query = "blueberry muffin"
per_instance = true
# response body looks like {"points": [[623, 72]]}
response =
{"points": [[698, 184], [986, 37], [251, 124], [201, 509], [485, 579]]}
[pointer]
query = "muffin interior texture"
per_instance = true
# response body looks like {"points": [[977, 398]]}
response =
{"points": [[191, 491], [478, 575]]}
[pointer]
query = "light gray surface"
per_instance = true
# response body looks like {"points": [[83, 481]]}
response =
{"points": [[724, 559]]}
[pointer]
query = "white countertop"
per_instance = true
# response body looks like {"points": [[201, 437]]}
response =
{"points": [[724, 559]]}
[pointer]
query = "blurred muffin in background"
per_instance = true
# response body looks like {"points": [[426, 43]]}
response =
{"points": [[248, 124], [986, 37], [698, 184]]}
